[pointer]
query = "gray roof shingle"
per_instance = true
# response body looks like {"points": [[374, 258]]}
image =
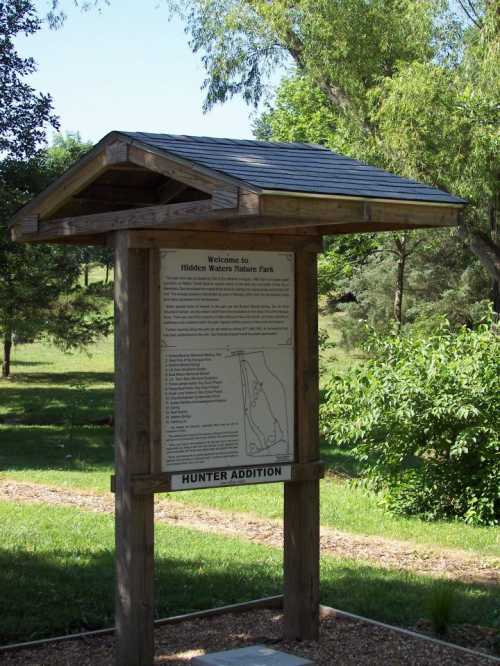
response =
{"points": [[293, 167]]}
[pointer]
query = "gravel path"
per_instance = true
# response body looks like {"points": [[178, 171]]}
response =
{"points": [[342, 643], [458, 565]]}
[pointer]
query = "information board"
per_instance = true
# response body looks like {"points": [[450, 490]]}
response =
{"points": [[227, 355]]}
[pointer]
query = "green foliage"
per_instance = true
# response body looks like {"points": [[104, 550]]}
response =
{"points": [[431, 113], [24, 114], [243, 41], [423, 414], [441, 279], [33, 408], [442, 600], [40, 291]]}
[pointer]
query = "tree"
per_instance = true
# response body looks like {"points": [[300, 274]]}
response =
{"points": [[422, 414], [441, 124], [433, 119], [40, 292], [438, 277], [24, 114]]}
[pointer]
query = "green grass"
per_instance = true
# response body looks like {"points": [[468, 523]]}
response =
{"points": [[56, 576], [46, 437], [336, 357], [351, 509]]}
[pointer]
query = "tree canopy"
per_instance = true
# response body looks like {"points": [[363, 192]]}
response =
{"points": [[24, 114], [40, 290]]}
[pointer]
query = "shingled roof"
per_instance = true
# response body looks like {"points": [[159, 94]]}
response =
{"points": [[138, 180], [293, 167]]}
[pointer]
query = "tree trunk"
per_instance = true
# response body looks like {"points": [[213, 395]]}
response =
{"points": [[400, 276], [487, 251], [86, 274], [495, 287], [106, 279], [7, 348]]}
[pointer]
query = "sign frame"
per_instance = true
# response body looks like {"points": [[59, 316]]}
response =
{"points": [[138, 427]]}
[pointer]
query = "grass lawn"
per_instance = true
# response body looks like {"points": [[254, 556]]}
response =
{"points": [[56, 576], [47, 436]]}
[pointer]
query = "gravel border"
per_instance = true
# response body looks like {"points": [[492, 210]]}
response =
{"points": [[343, 642]]}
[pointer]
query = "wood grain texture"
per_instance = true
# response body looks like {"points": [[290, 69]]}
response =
{"points": [[355, 212], [134, 532], [160, 482], [247, 214], [155, 357], [301, 499], [211, 240], [225, 197], [173, 169], [29, 224], [117, 152]]}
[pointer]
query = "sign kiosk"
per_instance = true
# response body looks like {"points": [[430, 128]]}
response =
{"points": [[216, 333]]}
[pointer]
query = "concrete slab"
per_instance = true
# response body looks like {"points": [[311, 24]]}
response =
{"points": [[255, 655]]}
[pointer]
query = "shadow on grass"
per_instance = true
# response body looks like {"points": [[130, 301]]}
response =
{"points": [[16, 363], [340, 461], [63, 592], [51, 594], [55, 448], [56, 405], [400, 598], [59, 378]]}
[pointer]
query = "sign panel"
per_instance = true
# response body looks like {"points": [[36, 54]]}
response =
{"points": [[230, 477], [227, 337]]}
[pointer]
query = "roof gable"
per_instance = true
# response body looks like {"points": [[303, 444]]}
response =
{"points": [[298, 168], [158, 181]]}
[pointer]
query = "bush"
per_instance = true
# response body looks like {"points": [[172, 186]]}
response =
{"points": [[442, 602], [423, 416]]}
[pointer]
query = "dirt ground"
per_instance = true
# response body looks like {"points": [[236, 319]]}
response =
{"points": [[342, 643], [389, 553]]}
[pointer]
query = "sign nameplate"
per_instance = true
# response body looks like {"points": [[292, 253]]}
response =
{"points": [[230, 477]]}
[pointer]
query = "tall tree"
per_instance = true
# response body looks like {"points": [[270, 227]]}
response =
{"points": [[434, 119], [40, 290], [24, 113]]}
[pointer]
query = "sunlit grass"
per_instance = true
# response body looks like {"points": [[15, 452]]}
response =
{"points": [[49, 436], [57, 573]]}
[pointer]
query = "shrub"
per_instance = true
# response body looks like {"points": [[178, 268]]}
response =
{"points": [[423, 416], [442, 602]]}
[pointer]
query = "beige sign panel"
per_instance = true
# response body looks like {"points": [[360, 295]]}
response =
{"points": [[227, 337]]}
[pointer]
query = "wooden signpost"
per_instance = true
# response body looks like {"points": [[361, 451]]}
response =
{"points": [[216, 337]]}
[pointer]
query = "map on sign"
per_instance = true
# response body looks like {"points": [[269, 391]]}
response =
{"points": [[227, 338], [264, 407]]}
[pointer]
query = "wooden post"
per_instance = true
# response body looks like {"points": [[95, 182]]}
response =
{"points": [[301, 507], [134, 531]]}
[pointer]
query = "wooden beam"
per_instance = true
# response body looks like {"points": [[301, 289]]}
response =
{"points": [[278, 214], [170, 190], [155, 354], [76, 178], [134, 517], [249, 203], [117, 152], [149, 217], [362, 211], [120, 195], [161, 482], [173, 169], [301, 499], [214, 240], [29, 224], [225, 197]]}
